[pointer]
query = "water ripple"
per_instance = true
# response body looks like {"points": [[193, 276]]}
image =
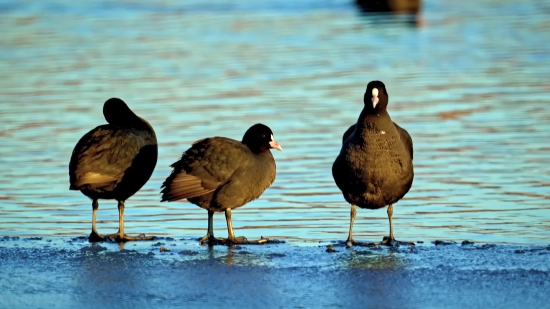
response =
{"points": [[470, 87]]}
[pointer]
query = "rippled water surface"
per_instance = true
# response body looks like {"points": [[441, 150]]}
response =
{"points": [[471, 86]]}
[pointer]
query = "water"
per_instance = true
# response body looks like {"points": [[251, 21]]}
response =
{"points": [[81, 275], [471, 87]]}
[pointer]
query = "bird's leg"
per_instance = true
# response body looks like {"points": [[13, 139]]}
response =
{"points": [[390, 240], [120, 236], [239, 240], [95, 236], [230, 234], [350, 242], [209, 237], [390, 215], [210, 232]]}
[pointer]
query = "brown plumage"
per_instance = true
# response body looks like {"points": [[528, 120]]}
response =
{"points": [[220, 174], [374, 168], [113, 161]]}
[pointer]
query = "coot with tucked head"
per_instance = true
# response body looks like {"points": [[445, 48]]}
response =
{"points": [[113, 161], [374, 168], [221, 174]]}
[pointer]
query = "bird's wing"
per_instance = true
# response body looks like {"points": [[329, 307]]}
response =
{"points": [[103, 155], [406, 138], [348, 133], [204, 167]]}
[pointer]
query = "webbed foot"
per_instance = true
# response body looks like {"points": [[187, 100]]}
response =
{"points": [[208, 240], [236, 241], [95, 237], [392, 242], [352, 242], [119, 238]]}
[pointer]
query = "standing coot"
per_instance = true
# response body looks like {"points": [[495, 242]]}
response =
{"points": [[374, 167], [220, 174], [113, 161]]}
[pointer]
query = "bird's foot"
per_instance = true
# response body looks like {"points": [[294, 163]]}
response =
{"points": [[204, 238], [388, 241], [209, 240], [241, 240], [392, 242], [236, 241], [119, 238], [95, 237], [351, 242]]}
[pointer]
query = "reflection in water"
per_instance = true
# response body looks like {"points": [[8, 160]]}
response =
{"points": [[469, 88], [241, 257], [97, 271], [83, 274], [374, 259], [228, 259]]}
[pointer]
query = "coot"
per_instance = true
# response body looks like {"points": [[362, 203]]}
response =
{"points": [[221, 174], [113, 161], [374, 168]]}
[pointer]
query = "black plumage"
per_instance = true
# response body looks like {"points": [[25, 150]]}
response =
{"points": [[411, 8], [113, 161], [374, 168], [382, 6], [221, 174]]}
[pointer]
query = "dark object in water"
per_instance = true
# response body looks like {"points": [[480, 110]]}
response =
{"points": [[221, 174], [406, 7], [374, 168], [330, 250], [113, 161], [386, 6]]}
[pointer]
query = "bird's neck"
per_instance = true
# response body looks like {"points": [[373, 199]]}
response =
{"points": [[369, 121], [135, 122], [144, 125]]}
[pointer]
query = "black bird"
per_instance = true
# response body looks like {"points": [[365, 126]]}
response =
{"points": [[374, 167], [396, 6], [113, 161], [411, 8], [220, 174]]}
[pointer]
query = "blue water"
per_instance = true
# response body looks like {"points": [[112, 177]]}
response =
{"points": [[81, 275], [470, 85]]}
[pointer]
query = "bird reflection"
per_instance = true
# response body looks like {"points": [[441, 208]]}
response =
{"points": [[236, 256], [374, 260]]}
